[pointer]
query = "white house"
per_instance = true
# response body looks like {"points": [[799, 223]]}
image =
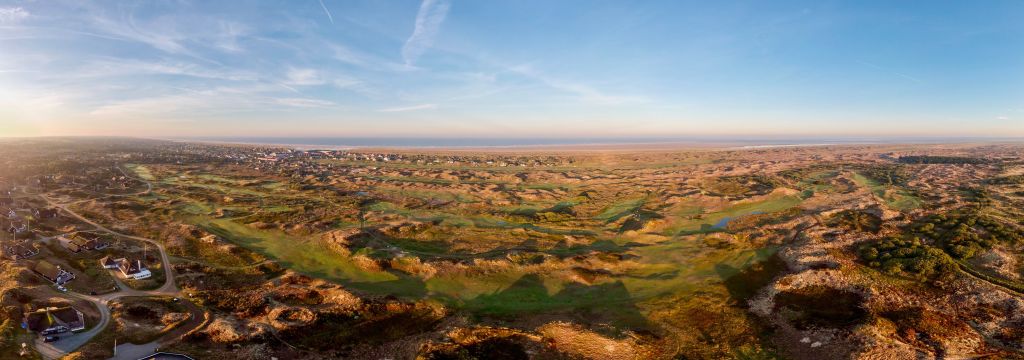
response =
{"points": [[109, 263], [133, 269]]}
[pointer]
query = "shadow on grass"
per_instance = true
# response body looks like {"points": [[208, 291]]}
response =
{"points": [[743, 284], [609, 303]]}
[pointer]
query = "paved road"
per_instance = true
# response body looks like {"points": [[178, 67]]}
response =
{"points": [[169, 287], [69, 343], [134, 352]]}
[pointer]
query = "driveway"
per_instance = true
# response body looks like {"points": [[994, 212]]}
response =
{"points": [[71, 342]]}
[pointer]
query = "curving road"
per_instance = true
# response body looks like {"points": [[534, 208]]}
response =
{"points": [[60, 348]]}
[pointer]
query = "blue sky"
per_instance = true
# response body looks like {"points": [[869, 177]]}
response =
{"points": [[451, 68]]}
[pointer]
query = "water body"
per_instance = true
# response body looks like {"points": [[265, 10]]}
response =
{"points": [[725, 221], [429, 142]]}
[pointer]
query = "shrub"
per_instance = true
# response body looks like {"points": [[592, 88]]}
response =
{"points": [[910, 258]]}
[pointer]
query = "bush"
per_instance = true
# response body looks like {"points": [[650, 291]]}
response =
{"points": [[892, 175], [965, 235], [910, 258], [855, 220]]}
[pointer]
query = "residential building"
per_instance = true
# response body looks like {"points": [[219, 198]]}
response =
{"points": [[53, 272], [133, 269], [53, 320], [83, 241], [46, 213], [22, 250], [108, 262]]}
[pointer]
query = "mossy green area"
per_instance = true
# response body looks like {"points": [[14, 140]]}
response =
{"points": [[482, 222], [522, 258], [618, 210], [716, 220], [816, 182], [141, 171], [896, 198], [438, 181], [682, 265], [428, 195], [312, 257]]}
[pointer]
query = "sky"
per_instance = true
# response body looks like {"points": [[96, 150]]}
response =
{"points": [[520, 68]]}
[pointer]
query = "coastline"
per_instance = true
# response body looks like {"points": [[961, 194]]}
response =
{"points": [[421, 145], [524, 145]]}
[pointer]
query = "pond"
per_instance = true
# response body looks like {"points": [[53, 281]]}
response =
{"points": [[721, 224]]}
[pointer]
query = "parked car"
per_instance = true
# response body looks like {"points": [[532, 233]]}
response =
{"points": [[56, 330], [51, 338]]}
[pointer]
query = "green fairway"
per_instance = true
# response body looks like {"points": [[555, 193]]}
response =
{"points": [[895, 198], [712, 221], [141, 171]]}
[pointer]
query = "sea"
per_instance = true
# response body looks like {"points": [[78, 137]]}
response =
{"points": [[454, 142]]}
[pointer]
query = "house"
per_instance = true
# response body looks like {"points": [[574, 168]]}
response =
{"points": [[46, 213], [100, 243], [20, 251], [53, 320], [133, 269], [69, 244], [90, 241], [108, 262], [53, 272], [17, 227], [83, 241]]}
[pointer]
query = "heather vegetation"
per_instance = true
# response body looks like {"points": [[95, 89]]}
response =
{"points": [[352, 254], [927, 159]]}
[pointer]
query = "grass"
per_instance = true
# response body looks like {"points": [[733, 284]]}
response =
{"points": [[895, 198], [815, 182], [681, 266], [428, 194], [620, 209], [706, 223], [141, 171]]}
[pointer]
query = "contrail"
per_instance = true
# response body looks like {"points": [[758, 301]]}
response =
{"points": [[328, 12]]}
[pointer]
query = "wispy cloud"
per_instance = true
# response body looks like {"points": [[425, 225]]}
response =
{"points": [[127, 30], [171, 33], [410, 108], [428, 22], [302, 102], [227, 37], [876, 67], [1003, 117], [304, 77], [185, 102], [12, 15], [328, 12], [585, 92], [108, 67], [365, 60]]}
